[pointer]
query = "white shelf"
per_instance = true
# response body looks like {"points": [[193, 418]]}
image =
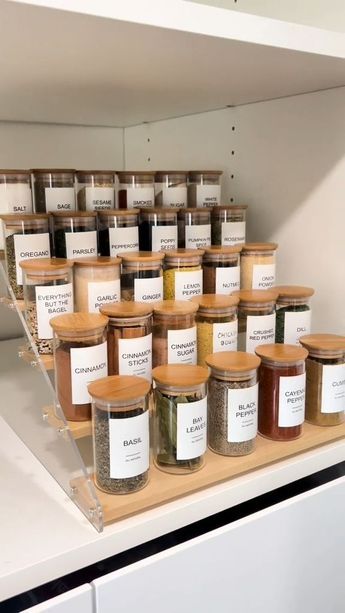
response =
{"points": [[122, 63]]}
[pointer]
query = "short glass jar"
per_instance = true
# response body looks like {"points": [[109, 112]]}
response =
{"points": [[96, 282], [293, 318], [142, 276], [180, 417], [95, 190], [26, 236], [129, 339], [221, 266], [53, 189], [171, 188], [48, 291], [216, 324], [325, 367], [204, 188], [258, 267], [15, 191], [157, 230], [80, 357], [174, 333], [118, 231], [229, 225], [194, 228], [232, 402], [256, 318], [136, 189], [281, 391], [74, 235], [183, 274], [120, 432]]}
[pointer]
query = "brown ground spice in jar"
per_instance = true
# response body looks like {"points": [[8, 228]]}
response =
{"points": [[74, 412]]}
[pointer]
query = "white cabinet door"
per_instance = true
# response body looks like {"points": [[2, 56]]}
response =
{"points": [[74, 601], [289, 558]]}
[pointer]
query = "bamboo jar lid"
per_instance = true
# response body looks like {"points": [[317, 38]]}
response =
{"points": [[215, 302], [141, 173], [175, 307], [119, 389], [101, 260], [71, 214], [76, 325], [277, 352], [83, 173], [181, 376], [193, 173], [126, 309], [248, 247], [15, 218], [52, 170], [256, 296], [118, 212], [49, 265], [294, 291], [324, 345], [143, 256], [229, 207], [222, 250], [160, 212], [233, 361]]}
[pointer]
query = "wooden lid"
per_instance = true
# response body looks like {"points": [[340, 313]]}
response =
{"points": [[233, 361], [260, 296], [46, 264], [281, 353], [13, 171], [99, 261], [123, 173], [219, 250], [118, 212], [126, 309], [81, 173], [52, 170], [180, 375], [205, 172], [184, 254], [197, 211], [171, 172], [324, 344], [17, 218], [230, 207], [143, 256], [215, 301], [175, 307], [74, 214], [78, 323], [119, 388], [259, 247], [160, 212], [294, 291]]}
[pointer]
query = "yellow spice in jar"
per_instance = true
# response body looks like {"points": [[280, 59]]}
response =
{"points": [[169, 280], [204, 341]]}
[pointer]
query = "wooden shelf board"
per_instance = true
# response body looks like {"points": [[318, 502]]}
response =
{"points": [[28, 356], [79, 429], [9, 303]]}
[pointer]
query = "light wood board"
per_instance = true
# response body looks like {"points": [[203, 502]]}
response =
{"points": [[10, 304], [78, 429], [28, 356]]}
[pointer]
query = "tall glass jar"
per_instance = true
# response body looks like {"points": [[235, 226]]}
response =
{"points": [[129, 339], [142, 276], [216, 324], [171, 188], [183, 274], [157, 230], [180, 417], [96, 282], [118, 231], [53, 189], [26, 236], [95, 190], [74, 235], [325, 366], [80, 357], [293, 313], [136, 189], [174, 333], [221, 267], [229, 225], [256, 318], [194, 228], [281, 391], [204, 188], [48, 291], [258, 265], [120, 432], [15, 191], [232, 402]]}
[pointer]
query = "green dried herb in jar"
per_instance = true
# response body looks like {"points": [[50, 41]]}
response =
{"points": [[293, 318]]}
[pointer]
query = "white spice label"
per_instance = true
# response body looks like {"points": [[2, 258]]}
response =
{"points": [[15, 198], [30, 246], [291, 401], [87, 364], [225, 336], [174, 197], [198, 237], [264, 276], [59, 199], [242, 414], [148, 290], [81, 244], [123, 239], [103, 292], [333, 388], [135, 356], [296, 324], [188, 284], [207, 195], [129, 446], [164, 238], [140, 197], [182, 348], [99, 198], [51, 301], [261, 330], [227, 279], [191, 429], [233, 233]]}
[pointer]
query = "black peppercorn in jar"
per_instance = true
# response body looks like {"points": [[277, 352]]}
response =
{"points": [[142, 276], [118, 231], [204, 188], [53, 189], [74, 235], [229, 225], [136, 189], [194, 228], [171, 188], [95, 190], [157, 230], [293, 313], [221, 267], [256, 318]]}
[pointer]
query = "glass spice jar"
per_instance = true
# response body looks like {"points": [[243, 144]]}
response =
{"points": [[26, 236], [142, 276], [96, 282], [15, 191], [95, 190], [174, 333], [136, 189], [53, 189], [129, 339], [48, 291], [74, 235], [258, 267], [232, 402], [293, 318], [80, 357], [204, 188], [325, 367], [216, 324], [194, 228], [171, 188], [120, 432], [157, 230], [256, 318], [118, 231], [229, 225], [221, 266], [183, 274], [281, 391], [180, 417]]}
